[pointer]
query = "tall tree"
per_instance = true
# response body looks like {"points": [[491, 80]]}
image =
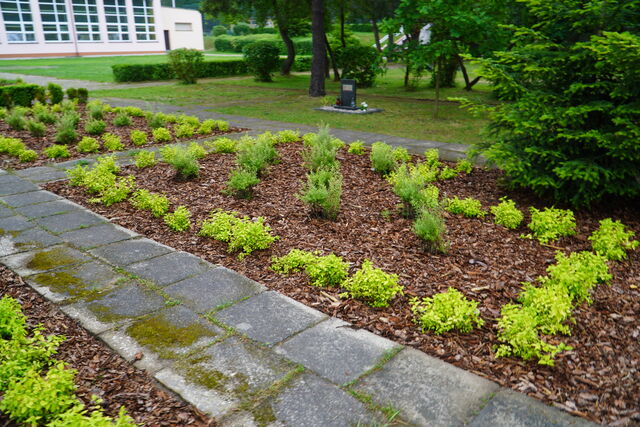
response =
{"points": [[375, 11], [283, 12], [319, 49]]}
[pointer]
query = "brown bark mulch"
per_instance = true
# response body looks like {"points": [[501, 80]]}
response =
{"points": [[101, 372], [40, 143], [598, 380]]}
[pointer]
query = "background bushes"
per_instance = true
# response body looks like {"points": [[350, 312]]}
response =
{"points": [[237, 43], [22, 94]]}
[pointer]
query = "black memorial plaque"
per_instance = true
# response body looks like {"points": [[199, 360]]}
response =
{"points": [[347, 95]]}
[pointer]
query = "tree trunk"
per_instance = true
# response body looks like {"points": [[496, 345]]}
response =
{"points": [[318, 48], [291, 52], [334, 64], [376, 34], [467, 84]]}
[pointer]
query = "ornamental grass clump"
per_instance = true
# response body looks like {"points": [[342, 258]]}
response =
{"points": [[322, 193], [179, 220], [507, 214], [122, 119], [241, 234], [321, 152], [157, 204], [325, 271], [16, 119], [255, 154], [431, 229], [96, 110], [241, 183], [66, 129], [550, 224], [612, 241], [446, 311], [382, 158], [372, 285], [36, 128], [156, 121], [183, 160], [469, 207], [95, 127]]}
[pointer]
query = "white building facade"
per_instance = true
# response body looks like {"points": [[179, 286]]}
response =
{"points": [[50, 28]]}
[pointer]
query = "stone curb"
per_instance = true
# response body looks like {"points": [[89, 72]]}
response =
{"points": [[233, 349]]}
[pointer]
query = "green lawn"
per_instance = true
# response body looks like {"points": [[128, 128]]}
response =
{"points": [[97, 69], [407, 114]]}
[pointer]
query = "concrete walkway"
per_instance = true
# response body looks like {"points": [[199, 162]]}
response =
{"points": [[239, 352]]}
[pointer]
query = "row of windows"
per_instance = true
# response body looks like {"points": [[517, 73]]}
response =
{"points": [[56, 22]]}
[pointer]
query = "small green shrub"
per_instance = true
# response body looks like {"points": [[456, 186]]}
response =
{"points": [[12, 321], [68, 107], [320, 153], [184, 131], [432, 158], [255, 155], [551, 224], [578, 274], [241, 183], [112, 142], [36, 128], [429, 226], [56, 151], [207, 127], [241, 234], [96, 110], [197, 150], [464, 166], [446, 311], [27, 156], [357, 148], [323, 192], [133, 111], [88, 145], [222, 125], [138, 137], [156, 121], [329, 270], [469, 207], [372, 285], [612, 241], [262, 58], [3, 113], [122, 119], [222, 145], [401, 155], [95, 127], [179, 220], [45, 116], [145, 159], [11, 146], [83, 95], [72, 93], [16, 119], [117, 192], [162, 134], [55, 92], [382, 158], [184, 119], [186, 64], [157, 204], [184, 162], [409, 185], [447, 173], [100, 177], [507, 214], [287, 136], [551, 304]]}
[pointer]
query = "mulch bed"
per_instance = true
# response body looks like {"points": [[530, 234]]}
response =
{"points": [[40, 143], [101, 372], [597, 380]]}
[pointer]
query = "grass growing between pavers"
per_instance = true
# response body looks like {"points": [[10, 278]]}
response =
{"points": [[407, 114]]}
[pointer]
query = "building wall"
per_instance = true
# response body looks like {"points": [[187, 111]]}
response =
{"points": [[79, 42], [184, 26]]}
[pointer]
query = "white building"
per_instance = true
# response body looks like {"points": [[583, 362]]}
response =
{"points": [[41, 28]]}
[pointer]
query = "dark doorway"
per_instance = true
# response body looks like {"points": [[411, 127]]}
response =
{"points": [[167, 43]]}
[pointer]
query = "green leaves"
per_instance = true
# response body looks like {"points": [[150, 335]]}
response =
{"points": [[551, 223], [329, 270], [612, 241], [373, 285], [446, 311]]}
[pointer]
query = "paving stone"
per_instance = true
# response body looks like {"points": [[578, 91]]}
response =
{"points": [[12, 224], [35, 262], [335, 351], [72, 163], [229, 370], [213, 288], [126, 302], [26, 240], [169, 268], [87, 318], [29, 198], [5, 212], [41, 210], [162, 337], [11, 184], [41, 174], [310, 401], [269, 317], [69, 221], [511, 409], [97, 235], [130, 251], [428, 391], [76, 282]]}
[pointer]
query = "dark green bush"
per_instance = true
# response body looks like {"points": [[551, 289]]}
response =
{"points": [[36, 128], [72, 93], [241, 183], [262, 59], [21, 94], [241, 29], [83, 95], [122, 119], [95, 127], [186, 64], [361, 63], [361, 28], [142, 72], [55, 92], [218, 30]]}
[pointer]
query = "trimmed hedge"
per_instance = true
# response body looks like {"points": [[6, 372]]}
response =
{"points": [[238, 43], [22, 94], [146, 72]]}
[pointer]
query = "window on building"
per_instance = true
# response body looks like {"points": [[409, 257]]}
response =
{"points": [[85, 15], [54, 20], [144, 20], [183, 26], [115, 12], [18, 21]]}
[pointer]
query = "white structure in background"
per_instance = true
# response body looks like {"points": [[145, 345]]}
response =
{"points": [[423, 38], [40, 28]]}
